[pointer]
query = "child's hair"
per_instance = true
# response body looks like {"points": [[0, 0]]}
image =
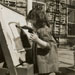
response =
{"points": [[39, 16]]}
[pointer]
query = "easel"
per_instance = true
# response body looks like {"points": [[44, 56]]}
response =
{"points": [[11, 69]]}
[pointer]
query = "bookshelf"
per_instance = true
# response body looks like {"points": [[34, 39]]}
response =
{"points": [[57, 11], [17, 5]]}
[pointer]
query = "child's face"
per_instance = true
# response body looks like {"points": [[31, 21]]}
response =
{"points": [[33, 22]]}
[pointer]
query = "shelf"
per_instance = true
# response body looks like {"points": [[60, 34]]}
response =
{"points": [[57, 13], [60, 35], [65, 4], [71, 6]]}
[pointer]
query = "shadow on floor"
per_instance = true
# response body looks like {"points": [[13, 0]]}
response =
{"points": [[65, 71]]}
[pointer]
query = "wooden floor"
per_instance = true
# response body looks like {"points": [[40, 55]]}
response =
{"points": [[66, 57], [66, 61]]}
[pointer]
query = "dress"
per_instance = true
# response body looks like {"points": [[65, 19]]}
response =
{"points": [[47, 58]]}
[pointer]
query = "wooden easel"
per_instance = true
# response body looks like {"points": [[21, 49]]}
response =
{"points": [[11, 68]]}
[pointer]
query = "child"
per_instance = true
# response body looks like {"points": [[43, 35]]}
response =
{"points": [[45, 50]]}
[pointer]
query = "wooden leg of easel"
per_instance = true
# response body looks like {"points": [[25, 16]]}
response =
{"points": [[74, 59]]}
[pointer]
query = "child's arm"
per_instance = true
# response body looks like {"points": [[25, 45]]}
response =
{"points": [[36, 39]]}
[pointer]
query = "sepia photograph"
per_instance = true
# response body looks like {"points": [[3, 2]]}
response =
{"points": [[37, 37]]}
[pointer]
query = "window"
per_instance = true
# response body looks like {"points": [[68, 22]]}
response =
{"points": [[71, 22], [41, 5]]}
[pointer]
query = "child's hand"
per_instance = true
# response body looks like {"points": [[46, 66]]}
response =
{"points": [[34, 37]]}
